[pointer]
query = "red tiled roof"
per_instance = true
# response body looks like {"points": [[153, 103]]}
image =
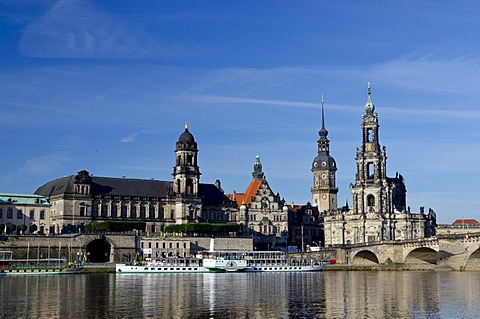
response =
{"points": [[246, 198], [466, 222]]}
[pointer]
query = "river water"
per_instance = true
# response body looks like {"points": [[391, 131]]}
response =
{"points": [[330, 294]]}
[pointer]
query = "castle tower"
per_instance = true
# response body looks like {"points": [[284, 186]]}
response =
{"points": [[186, 179], [324, 190], [257, 169], [369, 192]]}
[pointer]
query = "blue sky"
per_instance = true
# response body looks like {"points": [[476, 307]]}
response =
{"points": [[107, 86]]}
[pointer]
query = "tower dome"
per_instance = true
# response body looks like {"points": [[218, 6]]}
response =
{"points": [[186, 136], [186, 141]]}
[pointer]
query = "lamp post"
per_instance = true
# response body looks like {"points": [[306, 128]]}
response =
{"points": [[301, 228]]}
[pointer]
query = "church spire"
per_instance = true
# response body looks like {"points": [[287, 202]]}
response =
{"points": [[323, 113], [369, 106], [323, 142]]}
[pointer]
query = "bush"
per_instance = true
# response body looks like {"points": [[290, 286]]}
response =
{"points": [[203, 228], [115, 226]]}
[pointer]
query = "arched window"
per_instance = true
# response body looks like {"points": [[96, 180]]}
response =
{"points": [[113, 209], [189, 189], [370, 200]]}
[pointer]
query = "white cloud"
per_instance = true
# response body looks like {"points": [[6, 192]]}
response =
{"points": [[131, 138]]}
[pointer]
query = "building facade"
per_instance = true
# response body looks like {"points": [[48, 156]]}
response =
{"points": [[262, 213], [379, 210], [77, 200], [24, 214]]}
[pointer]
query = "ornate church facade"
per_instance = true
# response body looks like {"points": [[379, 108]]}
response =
{"points": [[379, 210], [77, 200]]}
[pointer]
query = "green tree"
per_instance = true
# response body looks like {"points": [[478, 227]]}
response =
{"points": [[2, 228], [11, 228], [33, 228], [22, 228]]}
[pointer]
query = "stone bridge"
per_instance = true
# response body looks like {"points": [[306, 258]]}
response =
{"points": [[457, 252]]}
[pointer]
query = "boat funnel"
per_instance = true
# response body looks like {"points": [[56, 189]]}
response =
{"points": [[212, 244]]}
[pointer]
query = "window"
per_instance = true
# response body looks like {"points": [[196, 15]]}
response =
{"points": [[104, 210], [370, 200], [32, 214], [369, 135], [82, 210], [113, 209], [9, 213], [371, 170], [42, 214], [19, 214], [151, 211], [1, 213]]}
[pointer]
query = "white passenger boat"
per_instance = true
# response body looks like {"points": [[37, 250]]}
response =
{"points": [[260, 261], [228, 261], [164, 265]]}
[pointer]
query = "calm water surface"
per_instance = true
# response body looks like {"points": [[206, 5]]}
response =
{"points": [[275, 295]]}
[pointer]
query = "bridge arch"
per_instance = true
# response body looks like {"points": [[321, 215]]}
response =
{"points": [[422, 255], [473, 261], [99, 250], [365, 258]]}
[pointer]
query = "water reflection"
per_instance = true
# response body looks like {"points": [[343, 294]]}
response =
{"points": [[281, 295]]}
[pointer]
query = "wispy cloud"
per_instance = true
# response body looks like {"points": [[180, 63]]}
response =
{"points": [[131, 138], [78, 29], [45, 165]]}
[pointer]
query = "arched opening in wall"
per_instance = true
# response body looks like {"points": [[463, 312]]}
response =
{"points": [[370, 200], [189, 186], [365, 258], [178, 186], [369, 135], [98, 251], [422, 256], [370, 170], [473, 262]]}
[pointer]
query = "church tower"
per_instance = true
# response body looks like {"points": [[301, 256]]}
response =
{"points": [[186, 179], [324, 191], [371, 185]]}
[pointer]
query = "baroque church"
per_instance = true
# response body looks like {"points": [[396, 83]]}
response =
{"points": [[77, 200], [379, 210]]}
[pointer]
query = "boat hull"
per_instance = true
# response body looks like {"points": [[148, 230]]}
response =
{"points": [[38, 271], [149, 269]]}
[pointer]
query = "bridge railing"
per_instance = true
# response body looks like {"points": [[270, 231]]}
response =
{"points": [[385, 242]]}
